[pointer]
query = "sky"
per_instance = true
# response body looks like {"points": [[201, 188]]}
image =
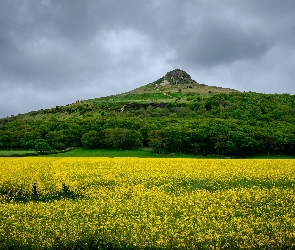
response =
{"points": [[55, 52]]}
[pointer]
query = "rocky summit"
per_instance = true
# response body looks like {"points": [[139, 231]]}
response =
{"points": [[178, 76]]}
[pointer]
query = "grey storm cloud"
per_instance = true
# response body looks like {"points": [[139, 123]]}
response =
{"points": [[54, 52], [224, 42]]}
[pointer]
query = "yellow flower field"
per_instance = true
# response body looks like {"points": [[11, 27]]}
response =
{"points": [[137, 203]]}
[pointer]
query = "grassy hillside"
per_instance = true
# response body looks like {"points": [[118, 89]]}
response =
{"points": [[164, 90], [172, 114]]}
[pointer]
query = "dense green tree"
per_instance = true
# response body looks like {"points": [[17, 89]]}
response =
{"points": [[5, 139], [42, 146], [56, 139], [29, 139], [176, 139], [91, 139], [122, 138], [156, 141]]}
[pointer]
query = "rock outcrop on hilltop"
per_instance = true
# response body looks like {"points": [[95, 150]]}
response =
{"points": [[178, 76]]}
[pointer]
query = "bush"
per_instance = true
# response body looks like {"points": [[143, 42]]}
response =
{"points": [[122, 138], [42, 146], [91, 139]]}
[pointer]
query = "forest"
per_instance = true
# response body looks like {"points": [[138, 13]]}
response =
{"points": [[227, 124]]}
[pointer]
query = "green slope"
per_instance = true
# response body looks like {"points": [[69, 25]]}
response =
{"points": [[172, 114], [175, 87]]}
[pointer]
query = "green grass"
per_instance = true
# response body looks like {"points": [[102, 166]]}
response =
{"points": [[148, 153], [16, 152], [142, 153], [150, 97]]}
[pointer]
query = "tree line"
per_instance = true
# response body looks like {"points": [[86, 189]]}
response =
{"points": [[233, 124], [200, 136]]}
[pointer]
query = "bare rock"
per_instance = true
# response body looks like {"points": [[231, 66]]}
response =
{"points": [[179, 76]]}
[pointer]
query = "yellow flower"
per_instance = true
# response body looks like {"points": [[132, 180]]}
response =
{"points": [[148, 202]]}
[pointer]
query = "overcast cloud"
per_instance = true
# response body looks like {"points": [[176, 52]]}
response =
{"points": [[54, 52]]}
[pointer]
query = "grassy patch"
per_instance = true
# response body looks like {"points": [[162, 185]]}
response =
{"points": [[141, 153], [147, 153], [17, 152]]}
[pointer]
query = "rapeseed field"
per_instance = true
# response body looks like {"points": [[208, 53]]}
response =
{"points": [[136, 203]]}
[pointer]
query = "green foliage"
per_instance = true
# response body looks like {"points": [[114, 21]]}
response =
{"points": [[228, 124], [5, 138], [42, 146], [56, 139], [29, 138], [156, 141], [122, 138], [91, 139]]}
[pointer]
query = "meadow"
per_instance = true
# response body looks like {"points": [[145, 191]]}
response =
{"points": [[146, 203], [16, 153], [144, 152]]}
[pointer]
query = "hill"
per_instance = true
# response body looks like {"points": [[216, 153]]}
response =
{"points": [[173, 114], [178, 81], [175, 86]]}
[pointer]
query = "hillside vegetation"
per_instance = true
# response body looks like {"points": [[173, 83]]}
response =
{"points": [[172, 114]]}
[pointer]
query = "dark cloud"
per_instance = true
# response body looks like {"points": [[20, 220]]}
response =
{"points": [[218, 42], [54, 52]]}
